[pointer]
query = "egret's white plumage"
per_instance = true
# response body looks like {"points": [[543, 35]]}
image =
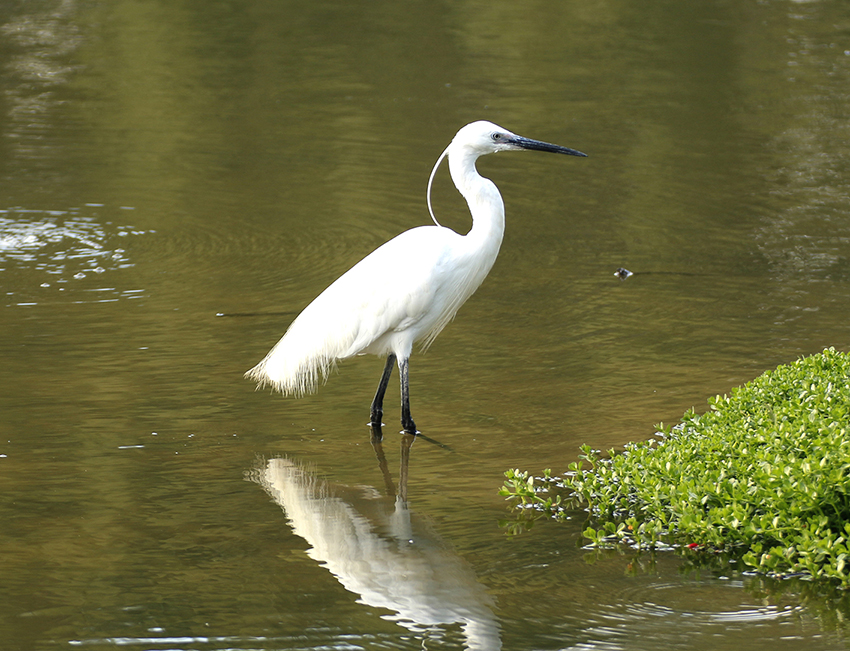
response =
{"points": [[408, 289]]}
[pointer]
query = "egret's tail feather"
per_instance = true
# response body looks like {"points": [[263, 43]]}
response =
{"points": [[289, 372], [318, 337]]}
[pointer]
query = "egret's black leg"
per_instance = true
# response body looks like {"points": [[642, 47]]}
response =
{"points": [[377, 410], [406, 421]]}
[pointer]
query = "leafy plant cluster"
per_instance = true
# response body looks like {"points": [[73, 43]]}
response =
{"points": [[764, 475]]}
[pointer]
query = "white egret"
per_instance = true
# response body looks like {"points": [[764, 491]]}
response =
{"points": [[406, 290]]}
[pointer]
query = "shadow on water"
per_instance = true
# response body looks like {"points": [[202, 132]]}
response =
{"points": [[379, 549]]}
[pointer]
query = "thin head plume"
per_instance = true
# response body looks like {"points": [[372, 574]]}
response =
{"points": [[431, 179]]}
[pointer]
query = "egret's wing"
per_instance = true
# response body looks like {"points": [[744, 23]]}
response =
{"points": [[415, 271], [395, 287]]}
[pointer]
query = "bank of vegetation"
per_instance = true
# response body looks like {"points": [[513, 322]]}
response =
{"points": [[763, 477]]}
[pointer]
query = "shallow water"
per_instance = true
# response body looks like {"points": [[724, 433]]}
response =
{"points": [[178, 180]]}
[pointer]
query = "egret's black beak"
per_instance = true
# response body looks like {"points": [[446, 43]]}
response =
{"points": [[537, 145]]}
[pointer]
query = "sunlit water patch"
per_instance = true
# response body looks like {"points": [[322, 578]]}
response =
{"points": [[45, 252]]}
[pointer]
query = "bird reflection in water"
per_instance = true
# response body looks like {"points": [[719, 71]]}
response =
{"points": [[378, 549]]}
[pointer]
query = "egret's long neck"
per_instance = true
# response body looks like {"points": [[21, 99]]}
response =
{"points": [[482, 196]]}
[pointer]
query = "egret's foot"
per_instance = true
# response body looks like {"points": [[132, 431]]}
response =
{"points": [[375, 417], [409, 427]]}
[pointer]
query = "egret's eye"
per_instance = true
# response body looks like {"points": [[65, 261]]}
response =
{"points": [[497, 136]]}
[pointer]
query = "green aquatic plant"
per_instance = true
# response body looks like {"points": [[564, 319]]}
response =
{"points": [[763, 476]]}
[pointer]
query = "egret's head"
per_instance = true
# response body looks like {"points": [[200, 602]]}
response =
{"points": [[484, 137]]}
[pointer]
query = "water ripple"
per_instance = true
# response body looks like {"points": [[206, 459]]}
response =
{"points": [[677, 614], [56, 248], [235, 642]]}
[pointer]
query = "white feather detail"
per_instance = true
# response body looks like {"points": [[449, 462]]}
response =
{"points": [[406, 291]]}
